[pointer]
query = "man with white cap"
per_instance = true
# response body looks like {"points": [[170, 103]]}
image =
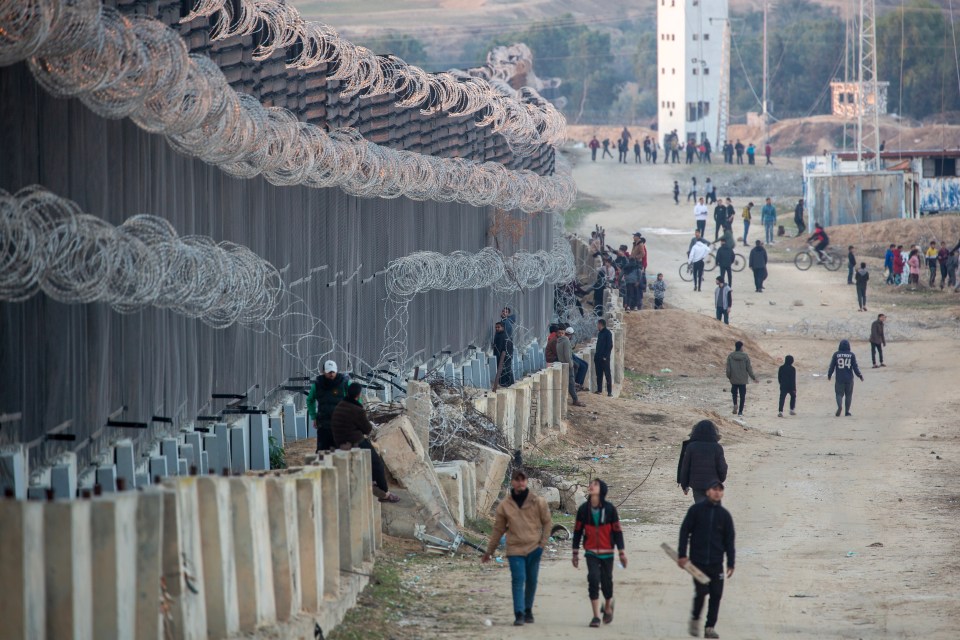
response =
{"points": [[325, 394], [565, 355]]}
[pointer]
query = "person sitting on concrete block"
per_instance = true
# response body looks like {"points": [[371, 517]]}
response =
{"points": [[350, 427]]}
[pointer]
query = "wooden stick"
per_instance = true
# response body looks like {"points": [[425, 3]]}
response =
{"points": [[698, 575]]}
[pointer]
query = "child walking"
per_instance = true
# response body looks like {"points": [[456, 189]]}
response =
{"points": [[598, 526], [659, 291], [787, 377]]}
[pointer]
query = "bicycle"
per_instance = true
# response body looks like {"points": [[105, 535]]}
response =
{"points": [[806, 259], [710, 263]]}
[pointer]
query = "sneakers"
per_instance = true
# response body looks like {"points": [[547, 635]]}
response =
{"points": [[608, 612], [838, 412], [740, 415], [528, 616], [595, 623], [694, 627], [792, 412], [518, 620], [848, 414], [876, 366], [882, 365], [780, 414], [734, 410], [710, 632]]}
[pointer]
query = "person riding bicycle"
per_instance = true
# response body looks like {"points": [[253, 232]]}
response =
{"points": [[820, 240]]}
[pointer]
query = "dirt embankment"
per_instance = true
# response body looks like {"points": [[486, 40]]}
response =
{"points": [[873, 238], [686, 343]]}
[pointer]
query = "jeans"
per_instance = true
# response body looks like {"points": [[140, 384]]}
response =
{"points": [[801, 226], [746, 230], [844, 391], [862, 295], [581, 367], [768, 232], [702, 227], [599, 577], [716, 232], [657, 303], [723, 314], [933, 272], [602, 366], [698, 275], [741, 390], [593, 154], [783, 396], [876, 349], [523, 574], [714, 590], [572, 387], [728, 278]]}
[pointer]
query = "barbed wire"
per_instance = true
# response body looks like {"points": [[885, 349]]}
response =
{"points": [[76, 258], [524, 118], [137, 67]]}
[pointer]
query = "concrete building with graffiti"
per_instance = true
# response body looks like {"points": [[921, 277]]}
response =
{"points": [[910, 183]]}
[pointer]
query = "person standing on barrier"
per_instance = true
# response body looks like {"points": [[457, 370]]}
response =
{"points": [[525, 519], [708, 531], [351, 427], [326, 392], [598, 527], [503, 353], [844, 364], [601, 357]]}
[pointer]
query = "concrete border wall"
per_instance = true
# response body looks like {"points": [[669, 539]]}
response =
{"points": [[193, 557]]}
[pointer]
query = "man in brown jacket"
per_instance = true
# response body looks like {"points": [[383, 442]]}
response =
{"points": [[350, 427], [525, 518], [877, 340]]}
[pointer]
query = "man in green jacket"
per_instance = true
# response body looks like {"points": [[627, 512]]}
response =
{"points": [[325, 394], [739, 370]]}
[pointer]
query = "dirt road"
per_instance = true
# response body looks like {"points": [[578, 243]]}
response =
{"points": [[809, 505]]}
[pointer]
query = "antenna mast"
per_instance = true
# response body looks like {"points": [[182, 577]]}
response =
{"points": [[868, 118]]}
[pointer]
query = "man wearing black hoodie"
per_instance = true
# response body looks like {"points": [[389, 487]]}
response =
{"points": [[708, 529], [844, 364], [601, 357], [598, 526], [701, 460], [787, 377], [326, 392]]}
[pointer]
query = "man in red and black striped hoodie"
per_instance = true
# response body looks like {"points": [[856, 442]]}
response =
{"points": [[598, 526]]}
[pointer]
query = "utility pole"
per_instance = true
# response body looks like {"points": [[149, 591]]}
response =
{"points": [[764, 98], [847, 37], [868, 112]]}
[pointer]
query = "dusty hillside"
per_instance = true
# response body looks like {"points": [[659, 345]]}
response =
{"points": [[686, 343], [873, 238]]}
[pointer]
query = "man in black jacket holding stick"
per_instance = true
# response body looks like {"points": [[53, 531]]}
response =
{"points": [[708, 530]]}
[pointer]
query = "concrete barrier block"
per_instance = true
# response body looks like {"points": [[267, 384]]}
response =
{"points": [[301, 426], [491, 470], [219, 566], [224, 459], [14, 473], [524, 392], [565, 392], [282, 515], [506, 404], [452, 481], [187, 454], [403, 456], [251, 543], [211, 447], [63, 481], [289, 422], [68, 578], [148, 617], [183, 559], [559, 394], [362, 474], [492, 402], [22, 607], [350, 474], [106, 477], [169, 450], [204, 463], [124, 458], [238, 450], [546, 400], [183, 468], [311, 509], [193, 439], [113, 552], [419, 407], [536, 407], [143, 480], [158, 467], [276, 429], [468, 473], [259, 443], [330, 524]]}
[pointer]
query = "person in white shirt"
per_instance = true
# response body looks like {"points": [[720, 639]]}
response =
{"points": [[698, 252], [700, 214]]}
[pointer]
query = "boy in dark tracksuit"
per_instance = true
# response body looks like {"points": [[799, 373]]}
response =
{"points": [[787, 377], [844, 364], [708, 529], [598, 526]]}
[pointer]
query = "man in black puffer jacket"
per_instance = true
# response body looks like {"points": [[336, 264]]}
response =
{"points": [[703, 463]]}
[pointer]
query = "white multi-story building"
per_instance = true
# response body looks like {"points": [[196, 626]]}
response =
{"points": [[690, 60]]}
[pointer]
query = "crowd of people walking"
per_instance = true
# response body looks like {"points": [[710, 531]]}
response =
{"points": [[674, 149]]}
